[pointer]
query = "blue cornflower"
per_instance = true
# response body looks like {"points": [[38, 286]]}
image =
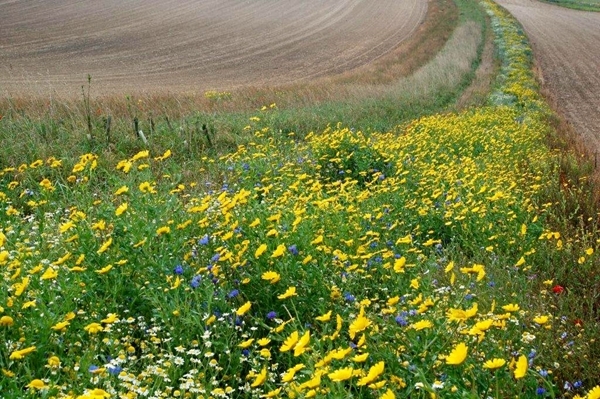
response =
{"points": [[543, 373], [577, 384], [233, 294], [271, 315], [540, 391], [215, 258], [196, 281], [245, 352], [178, 269], [349, 297], [114, 370], [293, 249], [204, 240], [93, 368], [401, 321]]}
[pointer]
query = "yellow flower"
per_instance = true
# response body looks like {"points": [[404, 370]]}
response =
{"points": [[110, 318], [399, 265], [271, 276], [271, 394], [511, 307], [146, 187], [457, 355], [6, 321], [404, 240], [260, 250], [421, 325], [124, 165], [520, 262], [93, 328], [105, 246], [49, 274], [290, 342], [360, 358], [260, 379], [121, 209], [246, 343], [359, 324], [140, 155], [389, 394], [95, 393], [374, 372], [122, 190], [300, 346], [243, 309], [341, 374], [47, 185], [164, 156], [163, 230], [20, 354], [521, 368], [317, 240], [37, 384], [8, 373], [289, 374], [104, 270], [541, 319], [279, 251], [60, 326], [594, 393], [325, 317], [66, 226], [291, 291], [494, 364], [53, 362]]}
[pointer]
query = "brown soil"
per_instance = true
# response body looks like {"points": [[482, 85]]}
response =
{"points": [[190, 46], [566, 46]]}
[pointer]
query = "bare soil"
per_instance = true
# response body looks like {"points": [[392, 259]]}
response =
{"points": [[190, 46], [566, 45]]}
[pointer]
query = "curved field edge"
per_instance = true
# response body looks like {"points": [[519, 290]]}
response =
{"points": [[378, 98], [581, 5], [410, 263]]}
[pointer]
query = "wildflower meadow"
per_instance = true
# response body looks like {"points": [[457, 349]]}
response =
{"points": [[410, 263]]}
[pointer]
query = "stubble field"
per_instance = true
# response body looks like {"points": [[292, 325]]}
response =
{"points": [[565, 44], [190, 46]]}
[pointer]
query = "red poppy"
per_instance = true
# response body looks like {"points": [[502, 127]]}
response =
{"points": [[558, 289], [578, 323]]}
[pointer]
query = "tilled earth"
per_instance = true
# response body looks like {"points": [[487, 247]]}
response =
{"points": [[189, 45], [566, 45]]}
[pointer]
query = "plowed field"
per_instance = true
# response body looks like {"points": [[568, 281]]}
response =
{"points": [[191, 45], [566, 44]]}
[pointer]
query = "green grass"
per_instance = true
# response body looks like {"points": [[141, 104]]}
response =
{"points": [[451, 256], [583, 5]]}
